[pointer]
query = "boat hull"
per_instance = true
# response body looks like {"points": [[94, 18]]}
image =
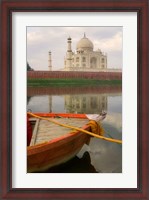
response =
{"points": [[49, 154]]}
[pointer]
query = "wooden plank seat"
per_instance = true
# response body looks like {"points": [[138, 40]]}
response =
{"points": [[46, 131]]}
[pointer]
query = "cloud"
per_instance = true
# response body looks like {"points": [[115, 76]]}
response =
{"points": [[33, 37], [110, 44]]}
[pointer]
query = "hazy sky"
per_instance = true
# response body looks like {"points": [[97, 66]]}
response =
{"points": [[41, 40]]}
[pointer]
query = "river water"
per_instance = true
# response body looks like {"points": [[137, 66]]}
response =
{"points": [[100, 156]]}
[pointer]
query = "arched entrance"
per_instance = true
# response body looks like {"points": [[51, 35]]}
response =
{"points": [[93, 62]]}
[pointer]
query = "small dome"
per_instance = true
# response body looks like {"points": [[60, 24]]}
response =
{"points": [[85, 44], [69, 38]]}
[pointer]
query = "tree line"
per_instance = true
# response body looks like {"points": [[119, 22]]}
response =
{"points": [[29, 67]]}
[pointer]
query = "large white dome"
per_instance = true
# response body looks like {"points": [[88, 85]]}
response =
{"points": [[85, 44]]}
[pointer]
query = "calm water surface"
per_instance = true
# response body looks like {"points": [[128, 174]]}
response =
{"points": [[100, 156]]}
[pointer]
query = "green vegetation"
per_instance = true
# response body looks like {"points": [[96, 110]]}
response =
{"points": [[70, 82]]}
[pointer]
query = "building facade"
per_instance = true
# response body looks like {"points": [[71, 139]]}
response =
{"points": [[84, 58]]}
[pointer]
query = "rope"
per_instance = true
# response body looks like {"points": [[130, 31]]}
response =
{"points": [[78, 129], [96, 127]]}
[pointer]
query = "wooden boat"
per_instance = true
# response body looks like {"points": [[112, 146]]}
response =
{"points": [[51, 144]]}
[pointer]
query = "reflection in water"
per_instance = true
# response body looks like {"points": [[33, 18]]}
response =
{"points": [[100, 156], [76, 103], [33, 91], [28, 99], [106, 157], [75, 165], [85, 103]]}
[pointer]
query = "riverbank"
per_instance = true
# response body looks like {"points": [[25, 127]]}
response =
{"points": [[70, 82]]}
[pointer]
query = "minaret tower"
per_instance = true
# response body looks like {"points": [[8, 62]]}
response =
{"points": [[50, 62], [50, 103], [69, 54]]}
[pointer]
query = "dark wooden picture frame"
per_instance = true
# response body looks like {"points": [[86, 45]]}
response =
{"points": [[142, 9]]}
